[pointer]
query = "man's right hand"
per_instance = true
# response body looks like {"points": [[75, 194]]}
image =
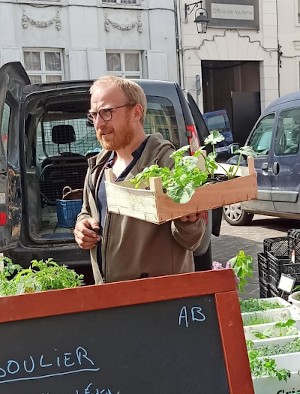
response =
{"points": [[86, 233]]}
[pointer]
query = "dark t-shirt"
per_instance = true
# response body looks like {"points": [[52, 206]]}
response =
{"points": [[102, 201]]}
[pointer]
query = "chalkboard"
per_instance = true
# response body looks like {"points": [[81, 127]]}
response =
{"points": [[110, 341]]}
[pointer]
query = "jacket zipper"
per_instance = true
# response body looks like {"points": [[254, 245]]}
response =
{"points": [[104, 246], [94, 190]]}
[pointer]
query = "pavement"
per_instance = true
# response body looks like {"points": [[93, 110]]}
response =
{"points": [[250, 239]]}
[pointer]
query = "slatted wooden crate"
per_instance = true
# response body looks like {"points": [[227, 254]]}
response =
{"points": [[156, 207]]}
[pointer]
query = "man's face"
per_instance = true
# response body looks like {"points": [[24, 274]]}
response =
{"points": [[118, 132]]}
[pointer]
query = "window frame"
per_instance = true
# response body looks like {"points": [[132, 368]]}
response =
{"points": [[123, 73], [285, 132], [43, 73], [120, 3], [271, 116]]}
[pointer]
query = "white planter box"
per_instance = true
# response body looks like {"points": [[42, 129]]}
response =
{"points": [[293, 298], [275, 341], [280, 314], [289, 361], [279, 300], [263, 328], [268, 385]]}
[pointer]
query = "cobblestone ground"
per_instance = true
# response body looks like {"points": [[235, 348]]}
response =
{"points": [[250, 239]]}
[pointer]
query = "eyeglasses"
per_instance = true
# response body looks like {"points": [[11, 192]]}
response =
{"points": [[105, 113]]}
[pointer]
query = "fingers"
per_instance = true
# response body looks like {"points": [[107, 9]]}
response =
{"points": [[194, 217], [86, 233]]}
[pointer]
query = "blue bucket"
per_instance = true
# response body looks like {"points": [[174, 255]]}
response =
{"points": [[67, 211]]}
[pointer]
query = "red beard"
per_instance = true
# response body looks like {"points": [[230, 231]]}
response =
{"points": [[115, 140]]}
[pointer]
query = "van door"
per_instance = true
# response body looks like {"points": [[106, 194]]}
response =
{"points": [[285, 165], [13, 78], [261, 142]]}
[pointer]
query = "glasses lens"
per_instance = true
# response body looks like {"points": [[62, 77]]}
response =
{"points": [[105, 114]]}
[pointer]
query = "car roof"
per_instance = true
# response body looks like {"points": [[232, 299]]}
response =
{"points": [[155, 86], [284, 100]]}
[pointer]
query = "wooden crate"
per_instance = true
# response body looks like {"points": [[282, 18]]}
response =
{"points": [[156, 207]]}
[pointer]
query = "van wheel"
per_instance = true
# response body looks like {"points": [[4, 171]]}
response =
{"points": [[236, 216]]}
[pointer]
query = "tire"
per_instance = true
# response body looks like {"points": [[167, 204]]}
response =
{"points": [[236, 216]]}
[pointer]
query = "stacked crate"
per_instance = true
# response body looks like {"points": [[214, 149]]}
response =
{"points": [[281, 255]]}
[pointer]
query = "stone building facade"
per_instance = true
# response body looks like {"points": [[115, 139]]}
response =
{"points": [[83, 39]]}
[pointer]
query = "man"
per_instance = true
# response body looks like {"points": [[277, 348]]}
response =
{"points": [[124, 248]]}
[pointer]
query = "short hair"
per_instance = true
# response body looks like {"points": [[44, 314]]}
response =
{"points": [[134, 93]]}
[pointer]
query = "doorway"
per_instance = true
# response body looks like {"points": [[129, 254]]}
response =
{"points": [[234, 86]]}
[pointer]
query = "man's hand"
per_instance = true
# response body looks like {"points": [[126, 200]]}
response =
{"points": [[86, 233], [194, 217]]}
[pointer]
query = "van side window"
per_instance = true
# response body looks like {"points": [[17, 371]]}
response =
{"points": [[4, 128], [161, 118], [261, 138], [288, 132]]}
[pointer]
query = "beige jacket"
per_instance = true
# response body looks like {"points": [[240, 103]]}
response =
{"points": [[133, 248]]}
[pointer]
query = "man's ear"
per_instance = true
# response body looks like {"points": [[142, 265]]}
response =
{"points": [[138, 112]]}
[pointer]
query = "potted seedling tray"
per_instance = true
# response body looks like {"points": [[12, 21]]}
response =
{"points": [[268, 316], [263, 304], [156, 207], [271, 385], [263, 333]]}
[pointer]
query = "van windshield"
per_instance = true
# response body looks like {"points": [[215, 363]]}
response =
{"points": [[261, 137]]}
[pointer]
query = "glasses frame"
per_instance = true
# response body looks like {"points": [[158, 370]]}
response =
{"points": [[105, 113]]}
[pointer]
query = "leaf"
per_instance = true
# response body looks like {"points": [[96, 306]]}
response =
{"points": [[214, 137], [243, 268], [246, 151]]}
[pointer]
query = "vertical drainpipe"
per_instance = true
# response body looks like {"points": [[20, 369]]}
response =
{"points": [[279, 53], [179, 42]]}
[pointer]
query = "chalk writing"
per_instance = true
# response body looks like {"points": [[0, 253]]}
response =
{"points": [[196, 315], [89, 390], [42, 366]]}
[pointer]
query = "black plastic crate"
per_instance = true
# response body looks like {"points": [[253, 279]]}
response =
{"points": [[282, 265], [278, 246], [294, 244], [263, 289], [263, 269], [274, 292]]}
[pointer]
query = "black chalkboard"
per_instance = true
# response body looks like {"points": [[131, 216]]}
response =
{"points": [[168, 346]]}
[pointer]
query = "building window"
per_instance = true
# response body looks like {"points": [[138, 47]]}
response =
{"points": [[124, 64], [135, 2], [43, 65]]}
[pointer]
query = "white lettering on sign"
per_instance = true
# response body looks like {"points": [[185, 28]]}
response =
{"points": [[232, 11]]}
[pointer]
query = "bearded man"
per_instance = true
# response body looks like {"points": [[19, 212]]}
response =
{"points": [[121, 247]]}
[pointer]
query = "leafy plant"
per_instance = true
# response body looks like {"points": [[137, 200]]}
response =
{"points": [[242, 266], [255, 305], [277, 348], [256, 320], [265, 366], [210, 160], [280, 329], [295, 289], [40, 276], [181, 181]]}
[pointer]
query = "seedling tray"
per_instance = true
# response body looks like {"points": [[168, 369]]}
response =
{"points": [[156, 207]]}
